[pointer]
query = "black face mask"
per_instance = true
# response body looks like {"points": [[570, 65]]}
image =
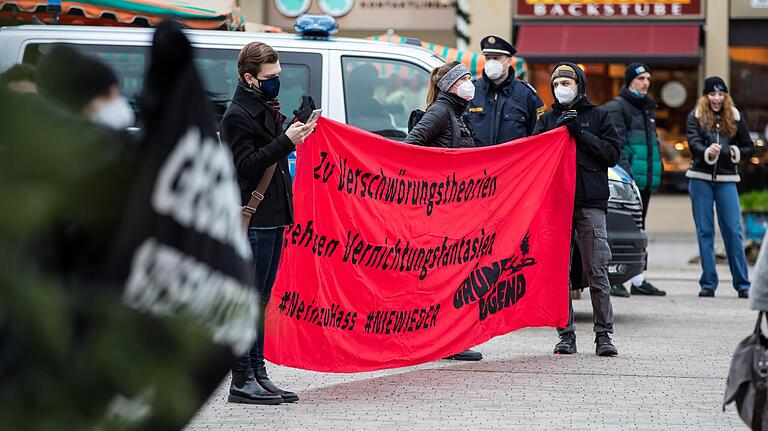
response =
{"points": [[270, 88]]}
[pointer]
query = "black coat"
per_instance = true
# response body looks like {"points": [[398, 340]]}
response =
{"points": [[598, 146], [503, 113], [257, 141], [443, 125], [724, 169]]}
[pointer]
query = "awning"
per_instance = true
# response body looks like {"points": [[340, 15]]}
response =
{"points": [[677, 43], [197, 14]]}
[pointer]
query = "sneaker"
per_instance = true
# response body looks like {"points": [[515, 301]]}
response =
{"points": [[619, 290], [744, 293], [467, 355], [566, 345], [604, 345], [706, 293], [647, 289]]}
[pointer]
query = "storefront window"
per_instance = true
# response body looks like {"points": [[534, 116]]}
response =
{"points": [[749, 89]]}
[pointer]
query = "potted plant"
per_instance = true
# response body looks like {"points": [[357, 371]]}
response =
{"points": [[754, 210]]}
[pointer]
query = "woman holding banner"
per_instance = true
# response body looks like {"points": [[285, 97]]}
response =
{"points": [[442, 125], [252, 127]]}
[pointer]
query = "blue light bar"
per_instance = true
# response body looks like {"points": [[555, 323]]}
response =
{"points": [[316, 25]]}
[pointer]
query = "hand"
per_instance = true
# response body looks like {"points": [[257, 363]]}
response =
{"points": [[570, 120], [714, 150], [298, 132], [305, 109]]}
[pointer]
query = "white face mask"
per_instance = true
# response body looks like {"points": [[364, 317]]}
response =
{"points": [[565, 95], [466, 90], [494, 69], [116, 114]]}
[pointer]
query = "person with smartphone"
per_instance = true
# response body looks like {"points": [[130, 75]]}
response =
{"points": [[598, 147], [253, 128]]}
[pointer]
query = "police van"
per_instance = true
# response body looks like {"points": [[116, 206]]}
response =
{"points": [[368, 84]]}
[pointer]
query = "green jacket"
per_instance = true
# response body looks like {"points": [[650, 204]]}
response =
{"points": [[635, 121]]}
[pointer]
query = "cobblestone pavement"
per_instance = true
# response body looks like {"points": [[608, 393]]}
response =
{"points": [[674, 357]]}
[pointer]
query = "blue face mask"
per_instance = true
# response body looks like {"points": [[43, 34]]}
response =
{"points": [[635, 92], [270, 87]]}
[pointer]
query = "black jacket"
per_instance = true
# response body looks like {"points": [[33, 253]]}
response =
{"points": [[598, 146], [257, 141], [503, 113], [635, 120], [724, 168], [443, 125]]}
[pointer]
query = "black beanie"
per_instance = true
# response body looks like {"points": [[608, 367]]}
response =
{"points": [[714, 83], [73, 79], [633, 70]]}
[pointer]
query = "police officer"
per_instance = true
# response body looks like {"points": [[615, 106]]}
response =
{"points": [[504, 108]]}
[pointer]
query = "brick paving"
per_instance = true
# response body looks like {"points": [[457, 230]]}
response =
{"points": [[674, 357]]}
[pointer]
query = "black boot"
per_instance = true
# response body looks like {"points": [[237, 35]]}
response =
{"points": [[245, 389], [604, 345], [263, 379], [567, 344], [467, 355]]}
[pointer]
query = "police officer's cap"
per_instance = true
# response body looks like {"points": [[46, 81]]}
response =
{"points": [[496, 45]]}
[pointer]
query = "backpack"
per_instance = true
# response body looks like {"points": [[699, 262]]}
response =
{"points": [[414, 118]]}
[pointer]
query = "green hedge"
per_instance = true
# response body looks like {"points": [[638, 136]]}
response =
{"points": [[754, 201]]}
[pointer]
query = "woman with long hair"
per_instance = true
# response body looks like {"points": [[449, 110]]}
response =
{"points": [[252, 127], [443, 125], [718, 138]]}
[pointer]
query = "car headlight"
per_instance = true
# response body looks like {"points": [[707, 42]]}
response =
{"points": [[623, 192]]}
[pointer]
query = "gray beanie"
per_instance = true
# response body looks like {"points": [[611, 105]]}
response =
{"points": [[453, 75]]}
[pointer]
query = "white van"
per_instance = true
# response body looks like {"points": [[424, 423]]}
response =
{"points": [[368, 84], [387, 81]]}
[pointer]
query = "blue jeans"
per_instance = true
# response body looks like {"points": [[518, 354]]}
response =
{"points": [[267, 245], [704, 196]]}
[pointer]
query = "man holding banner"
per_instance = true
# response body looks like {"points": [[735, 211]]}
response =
{"points": [[598, 147]]}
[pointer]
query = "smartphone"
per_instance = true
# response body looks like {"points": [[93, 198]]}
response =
{"points": [[314, 116]]}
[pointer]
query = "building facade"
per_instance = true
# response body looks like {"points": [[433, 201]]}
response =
{"points": [[683, 41]]}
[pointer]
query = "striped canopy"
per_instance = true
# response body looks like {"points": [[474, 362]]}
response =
{"points": [[474, 61], [197, 14]]}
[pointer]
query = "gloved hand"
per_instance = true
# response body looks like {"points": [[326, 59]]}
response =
{"points": [[569, 119], [305, 109]]}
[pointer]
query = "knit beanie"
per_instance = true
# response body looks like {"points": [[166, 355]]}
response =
{"points": [[565, 71], [714, 83], [73, 79], [633, 71]]}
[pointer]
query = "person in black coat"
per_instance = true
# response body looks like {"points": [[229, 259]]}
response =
{"points": [[718, 137], [598, 147], [442, 125], [252, 127]]}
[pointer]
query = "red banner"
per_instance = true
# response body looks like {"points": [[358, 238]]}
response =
{"points": [[401, 255]]}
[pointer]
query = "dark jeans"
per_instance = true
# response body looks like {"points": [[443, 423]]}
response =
{"points": [[267, 245], [645, 196], [589, 226]]}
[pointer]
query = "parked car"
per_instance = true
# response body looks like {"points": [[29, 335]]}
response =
{"points": [[353, 80]]}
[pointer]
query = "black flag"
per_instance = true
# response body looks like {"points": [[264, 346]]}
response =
{"points": [[181, 247]]}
